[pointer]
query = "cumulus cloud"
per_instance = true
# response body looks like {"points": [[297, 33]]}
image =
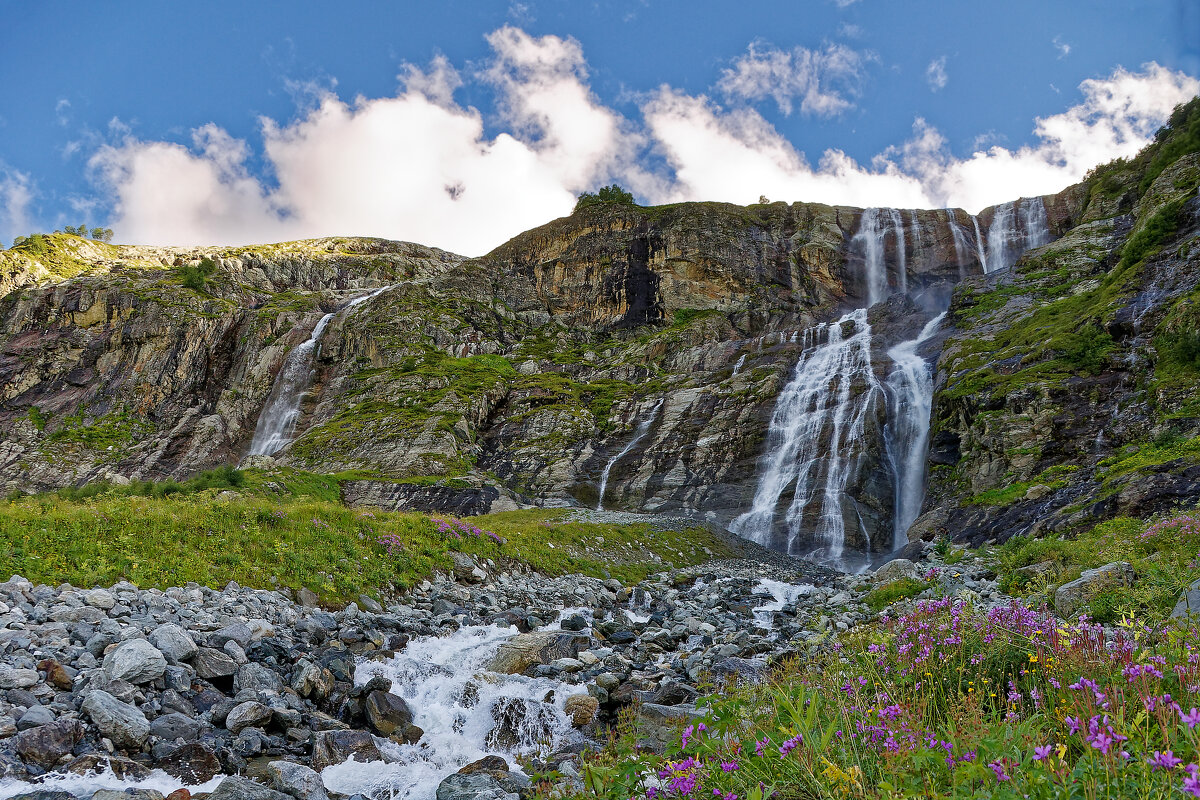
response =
{"points": [[15, 197], [935, 74], [824, 81], [420, 166]]}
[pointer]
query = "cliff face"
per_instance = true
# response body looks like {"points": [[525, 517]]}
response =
{"points": [[646, 344], [1067, 389]]}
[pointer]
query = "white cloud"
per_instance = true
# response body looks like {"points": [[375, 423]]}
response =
{"points": [[419, 166], [16, 195], [935, 74], [822, 80], [1062, 47]]}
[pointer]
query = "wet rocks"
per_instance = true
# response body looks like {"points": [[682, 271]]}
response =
{"points": [[542, 647], [334, 747]]}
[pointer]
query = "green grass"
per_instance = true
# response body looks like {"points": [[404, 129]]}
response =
{"points": [[881, 597], [288, 530], [1054, 478], [1149, 456]]}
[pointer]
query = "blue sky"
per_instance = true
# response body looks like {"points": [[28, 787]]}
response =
{"points": [[461, 123]]}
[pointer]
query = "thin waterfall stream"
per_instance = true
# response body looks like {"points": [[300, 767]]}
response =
{"points": [[277, 422], [640, 433]]}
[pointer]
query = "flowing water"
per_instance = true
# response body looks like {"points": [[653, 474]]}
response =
{"points": [[815, 432], [910, 394], [782, 594], [466, 712], [870, 241], [277, 422], [642, 429]]}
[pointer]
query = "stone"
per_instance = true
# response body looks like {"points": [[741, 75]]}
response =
{"points": [[1072, 597], [35, 716], [539, 647], [334, 747], [237, 632], [136, 661], [18, 678], [582, 709], [192, 763], [176, 726], [477, 786], [894, 570], [312, 681], [131, 793], [122, 724], [657, 725], [238, 788], [258, 677], [297, 780], [174, 643], [46, 744], [308, 598], [250, 714], [122, 768], [213, 664], [387, 713], [100, 598]]}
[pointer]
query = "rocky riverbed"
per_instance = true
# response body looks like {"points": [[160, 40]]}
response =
{"points": [[251, 694]]}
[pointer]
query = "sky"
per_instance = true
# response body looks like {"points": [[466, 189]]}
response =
{"points": [[460, 123]]}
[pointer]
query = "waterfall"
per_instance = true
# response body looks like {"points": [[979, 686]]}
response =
{"points": [[983, 262], [818, 421], [910, 392], [870, 241], [642, 429], [737, 367], [1015, 230], [962, 248], [279, 416]]}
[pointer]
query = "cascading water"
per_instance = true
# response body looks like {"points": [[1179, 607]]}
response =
{"points": [[870, 240], [910, 394], [983, 261], [1017, 226], [818, 423], [640, 433], [465, 712], [737, 367], [279, 416]]}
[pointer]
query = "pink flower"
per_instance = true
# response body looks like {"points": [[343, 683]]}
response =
{"points": [[1041, 753], [1191, 718]]}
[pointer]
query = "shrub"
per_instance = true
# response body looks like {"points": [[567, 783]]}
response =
{"points": [[883, 596], [610, 195], [195, 277]]}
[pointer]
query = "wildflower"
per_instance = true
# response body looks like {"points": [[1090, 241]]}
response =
{"points": [[998, 768], [790, 744], [1165, 761], [1191, 718], [1074, 723], [1191, 785], [760, 745], [729, 766], [1042, 752]]}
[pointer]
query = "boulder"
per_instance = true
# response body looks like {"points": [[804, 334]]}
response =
{"points": [[35, 716], [176, 726], [191, 763], [1071, 597], [132, 793], [477, 786], [252, 675], [250, 714], [45, 745], [173, 642], [122, 724], [388, 714], [136, 661], [334, 747], [658, 725], [540, 647], [122, 768], [18, 678], [582, 709], [213, 664], [312, 681], [894, 570], [237, 632], [299, 781], [238, 788], [1189, 602]]}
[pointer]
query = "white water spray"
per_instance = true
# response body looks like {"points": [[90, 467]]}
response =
{"points": [[737, 367], [465, 712], [983, 261], [1017, 226], [642, 429], [870, 240], [279, 416], [910, 390]]}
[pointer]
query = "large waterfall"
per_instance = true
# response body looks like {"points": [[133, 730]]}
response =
{"points": [[825, 433], [815, 434], [277, 422]]}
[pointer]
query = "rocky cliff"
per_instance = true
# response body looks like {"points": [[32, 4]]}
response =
{"points": [[1068, 375]]}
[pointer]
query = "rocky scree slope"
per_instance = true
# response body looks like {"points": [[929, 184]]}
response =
{"points": [[523, 372]]}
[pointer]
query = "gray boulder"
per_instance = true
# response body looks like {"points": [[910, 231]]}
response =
{"points": [[1189, 601], [191, 763], [135, 661], [540, 647], [894, 570], [238, 788], [210, 664], [18, 678], [176, 726], [173, 642], [250, 714], [34, 717], [1071, 597], [253, 675], [479, 786], [299, 781], [122, 724]]}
